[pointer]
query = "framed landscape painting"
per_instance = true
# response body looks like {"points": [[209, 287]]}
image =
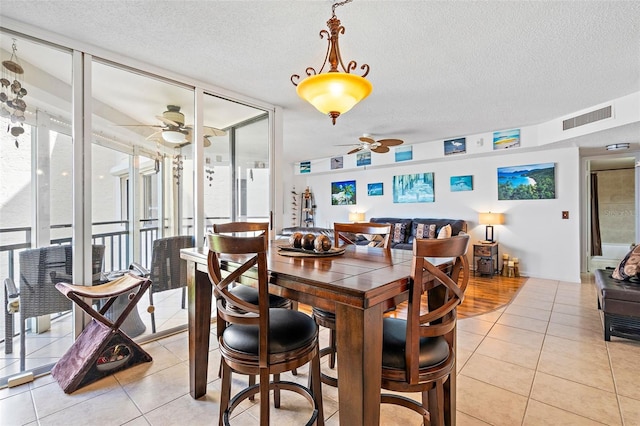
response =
{"points": [[455, 146], [375, 189], [506, 139], [461, 183], [404, 153], [363, 158], [343, 193], [305, 167], [528, 182], [414, 188]]}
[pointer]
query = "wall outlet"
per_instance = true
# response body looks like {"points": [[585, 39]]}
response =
{"points": [[565, 214]]}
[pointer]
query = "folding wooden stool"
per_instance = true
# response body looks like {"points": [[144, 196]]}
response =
{"points": [[102, 348]]}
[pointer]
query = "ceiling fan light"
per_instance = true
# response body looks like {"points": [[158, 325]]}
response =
{"points": [[173, 136], [334, 91]]}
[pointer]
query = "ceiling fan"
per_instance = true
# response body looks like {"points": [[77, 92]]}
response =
{"points": [[174, 133], [379, 146]]}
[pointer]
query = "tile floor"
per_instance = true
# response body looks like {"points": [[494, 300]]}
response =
{"points": [[541, 360]]}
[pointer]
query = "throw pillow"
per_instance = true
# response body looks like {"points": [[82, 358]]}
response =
{"points": [[445, 232], [432, 230], [420, 231], [399, 231], [629, 266]]}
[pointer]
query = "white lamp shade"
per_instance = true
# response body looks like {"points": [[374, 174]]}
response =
{"points": [[173, 136], [491, 218], [356, 217]]}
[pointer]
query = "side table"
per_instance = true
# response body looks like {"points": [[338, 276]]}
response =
{"points": [[487, 258]]}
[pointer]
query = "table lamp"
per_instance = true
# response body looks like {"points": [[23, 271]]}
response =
{"points": [[356, 217], [490, 219]]}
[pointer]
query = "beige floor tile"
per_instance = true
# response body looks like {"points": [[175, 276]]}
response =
{"points": [[530, 339], [531, 301], [592, 312], [509, 352], [491, 316], [475, 326], [489, 403], [466, 340], [539, 413], [294, 410], [50, 398], [17, 409], [577, 398], [625, 359], [579, 334], [529, 312], [525, 323], [150, 392], [591, 323], [114, 406], [577, 362], [630, 410], [462, 357], [138, 421], [463, 419], [501, 374], [187, 411]]}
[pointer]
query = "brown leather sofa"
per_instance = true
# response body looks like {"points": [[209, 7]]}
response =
{"points": [[620, 303]]}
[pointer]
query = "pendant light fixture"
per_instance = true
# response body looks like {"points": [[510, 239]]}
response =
{"points": [[336, 91]]}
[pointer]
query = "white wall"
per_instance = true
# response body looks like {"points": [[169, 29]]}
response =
{"points": [[534, 231]]}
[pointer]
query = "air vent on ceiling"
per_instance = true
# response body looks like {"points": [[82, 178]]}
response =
{"points": [[589, 117]]}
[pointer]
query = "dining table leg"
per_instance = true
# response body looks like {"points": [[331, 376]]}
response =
{"points": [[199, 292], [359, 346]]}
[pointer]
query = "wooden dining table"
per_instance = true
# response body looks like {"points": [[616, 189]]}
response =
{"points": [[359, 285]]}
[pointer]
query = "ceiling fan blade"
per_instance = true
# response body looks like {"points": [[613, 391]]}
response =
{"points": [[212, 131], [348, 144], [381, 149], [155, 135], [366, 139], [189, 138], [167, 121], [354, 150], [390, 142], [140, 125]]}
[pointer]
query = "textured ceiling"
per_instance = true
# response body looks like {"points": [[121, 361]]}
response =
{"points": [[439, 69]]}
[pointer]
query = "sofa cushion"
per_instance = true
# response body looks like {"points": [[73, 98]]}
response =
{"points": [[400, 228], [425, 230], [457, 226], [629, 266], [445, 232]]}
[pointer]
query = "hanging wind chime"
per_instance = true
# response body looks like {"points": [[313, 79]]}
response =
{"points": [[11, 94]]}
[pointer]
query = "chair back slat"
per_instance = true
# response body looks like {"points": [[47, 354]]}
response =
{"points": [[346, 232], [442, 263], [249, 253]]}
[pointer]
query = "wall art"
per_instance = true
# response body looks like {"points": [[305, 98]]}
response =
{"points": [[506, 139], [337, 163], [455, 146], [343, 193], [414, 188], [375, 189], [305, 167], [404, 153], [528, 182], [363, 158], [461, 183]]}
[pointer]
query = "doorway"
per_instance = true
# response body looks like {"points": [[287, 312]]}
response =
{"points": [[613, 183]]}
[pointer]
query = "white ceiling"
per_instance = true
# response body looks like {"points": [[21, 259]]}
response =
{"points": [[439, 69]]}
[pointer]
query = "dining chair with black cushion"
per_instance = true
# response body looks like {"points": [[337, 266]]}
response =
{"points": [[378, 235], [40, 270], [246, 292], [418, 354], [255, 339], [168, 271]]}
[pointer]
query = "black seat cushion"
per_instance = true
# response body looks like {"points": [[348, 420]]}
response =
{"points": [[324, 313], [288, 330], [250, 295], [433, 350]]}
